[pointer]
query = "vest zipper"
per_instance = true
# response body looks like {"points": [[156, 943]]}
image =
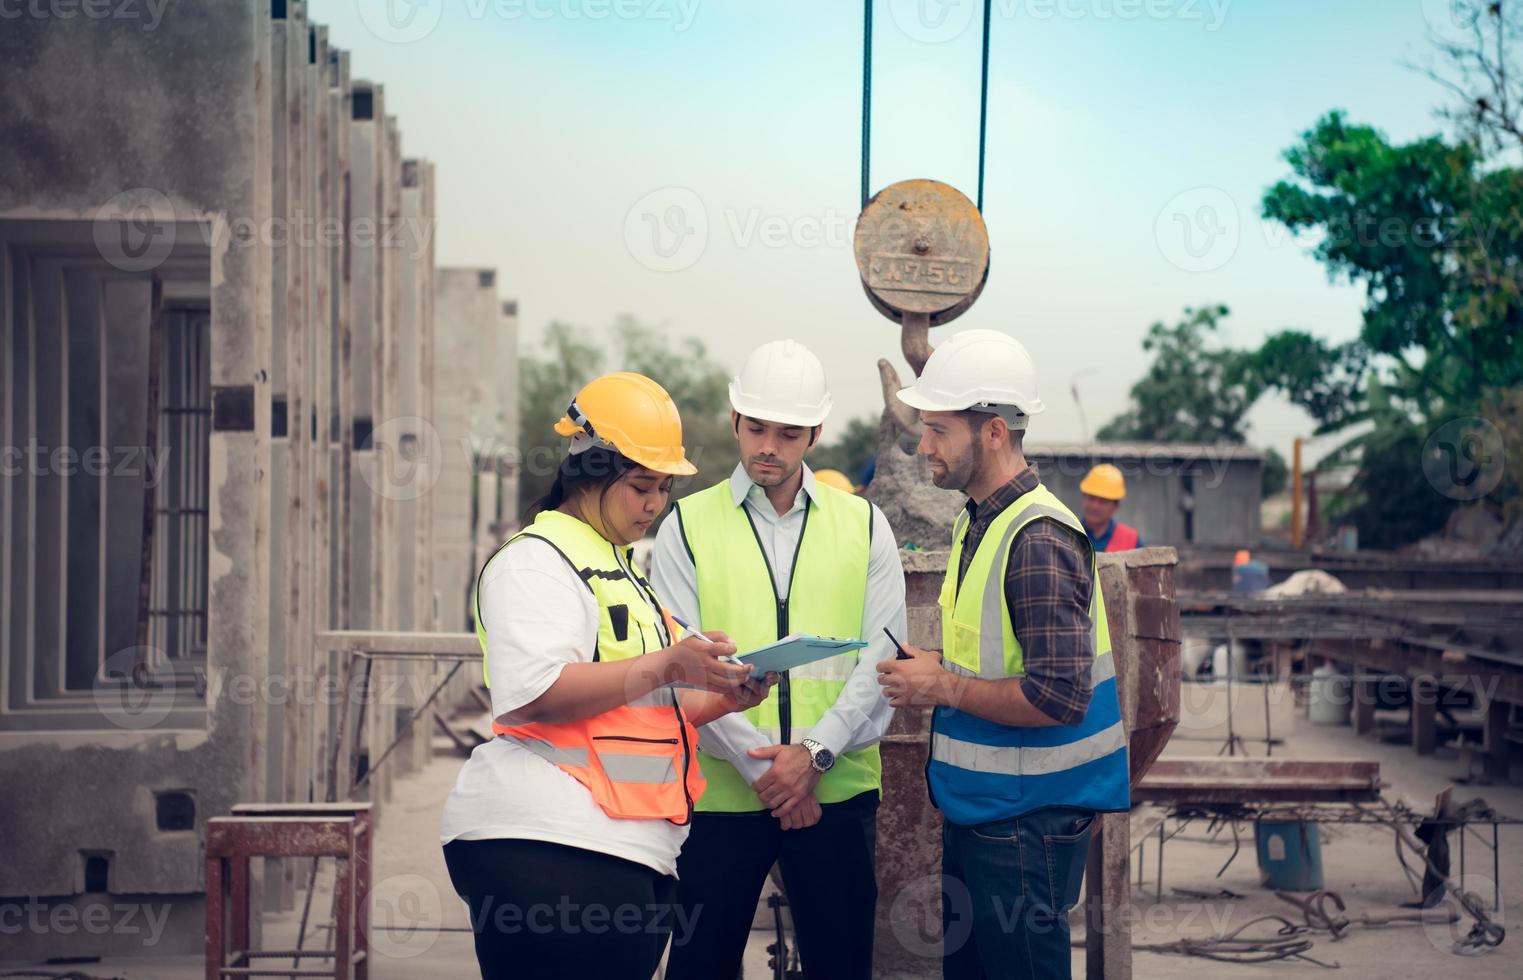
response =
{"points": [[784, 687], [631, 738]]}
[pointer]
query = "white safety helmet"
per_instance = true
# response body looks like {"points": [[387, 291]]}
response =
{"points": [[781, 382], [983, 370]]}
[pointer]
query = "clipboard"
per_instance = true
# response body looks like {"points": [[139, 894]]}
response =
{"points": [[795, 650]]}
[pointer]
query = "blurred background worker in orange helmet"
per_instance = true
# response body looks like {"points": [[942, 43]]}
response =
{"points": [[1103, 489]]}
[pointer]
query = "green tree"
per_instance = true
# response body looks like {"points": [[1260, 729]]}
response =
{"points": [[1194, 390], [1434, 234], [573, 356], [849, 450]]}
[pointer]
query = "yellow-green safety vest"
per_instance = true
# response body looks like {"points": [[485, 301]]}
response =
{"points": [[827, 592]]}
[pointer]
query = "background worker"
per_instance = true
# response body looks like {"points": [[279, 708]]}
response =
{"points": [[582, 801], [795, 781], [1104, 488], [1027, 742]]}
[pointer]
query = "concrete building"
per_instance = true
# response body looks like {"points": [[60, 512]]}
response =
{"points": [[1176, 493], [227, 403]]}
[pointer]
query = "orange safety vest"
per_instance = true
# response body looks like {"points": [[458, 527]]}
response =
{"points": [[1123, 538], [639, 761]]}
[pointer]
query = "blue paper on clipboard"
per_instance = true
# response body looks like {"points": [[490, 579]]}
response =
{"points": [[795, 650]]}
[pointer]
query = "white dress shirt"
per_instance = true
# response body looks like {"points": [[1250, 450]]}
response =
{"points": [[861, 713]]}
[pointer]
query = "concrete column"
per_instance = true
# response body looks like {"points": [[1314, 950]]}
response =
{"points": [[1366, 696], [1498, 749], [1424, 695]]}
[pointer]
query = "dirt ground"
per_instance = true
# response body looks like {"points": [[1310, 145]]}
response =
{"points": [[419, 921]]}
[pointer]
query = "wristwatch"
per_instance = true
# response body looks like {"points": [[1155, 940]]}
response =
{"points": [[820, 758]]}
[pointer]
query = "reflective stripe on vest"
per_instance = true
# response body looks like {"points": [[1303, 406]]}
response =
{"points": [[980, 771], [655, 773], [827, 591]]}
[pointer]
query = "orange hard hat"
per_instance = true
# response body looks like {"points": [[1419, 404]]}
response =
{"points": [[634, 415], [1104, 481], [1241, 558], [834, 478]]}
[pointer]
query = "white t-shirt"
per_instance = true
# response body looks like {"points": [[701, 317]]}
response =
{"points": [[539, 617]]}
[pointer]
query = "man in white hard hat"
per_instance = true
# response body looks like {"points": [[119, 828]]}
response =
{"points": [[796, 781], [1027, 742]]}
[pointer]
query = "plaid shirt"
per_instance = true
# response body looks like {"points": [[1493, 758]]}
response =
{"points": [[1047, 587]]}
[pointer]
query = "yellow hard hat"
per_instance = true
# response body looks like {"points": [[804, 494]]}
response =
{"points": [[634, 415], [834, 478], [1104, 481]]}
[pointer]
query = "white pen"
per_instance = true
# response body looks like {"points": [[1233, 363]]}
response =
{"points": [[693, 632]]}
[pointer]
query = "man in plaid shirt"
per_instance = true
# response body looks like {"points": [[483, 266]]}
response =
{"points": [[1027, 741]]}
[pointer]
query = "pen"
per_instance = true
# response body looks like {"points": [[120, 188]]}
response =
{"points": [[693, 632], [902, 655]]}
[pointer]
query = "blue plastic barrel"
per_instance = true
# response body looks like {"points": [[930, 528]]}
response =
{"points": [[1290, 855]]}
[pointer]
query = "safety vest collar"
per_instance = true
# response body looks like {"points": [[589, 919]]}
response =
{"points": [[992, 612]]}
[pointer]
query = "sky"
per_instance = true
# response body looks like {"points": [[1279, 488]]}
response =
{"points": [[696, 163]]}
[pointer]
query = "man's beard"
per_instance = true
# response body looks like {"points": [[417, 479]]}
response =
{"points": [[960, 472]]}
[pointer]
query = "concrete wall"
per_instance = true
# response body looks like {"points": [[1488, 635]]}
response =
{"points": [[1175, 494], [222, 161], [70, 146]]}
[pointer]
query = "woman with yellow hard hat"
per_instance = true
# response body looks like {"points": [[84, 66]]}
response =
{"points": [[562, 833]]}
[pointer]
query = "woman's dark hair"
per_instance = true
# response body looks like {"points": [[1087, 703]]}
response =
{"points": [[598, 468]]}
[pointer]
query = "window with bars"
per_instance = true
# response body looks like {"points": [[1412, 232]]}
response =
{"points": [[104, 432]]}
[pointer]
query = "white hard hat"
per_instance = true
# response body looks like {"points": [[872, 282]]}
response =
{"points": [[979, 369], [781, 382]]}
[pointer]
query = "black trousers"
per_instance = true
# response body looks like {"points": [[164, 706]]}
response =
{"points": [[828, 873], [549, 911]]}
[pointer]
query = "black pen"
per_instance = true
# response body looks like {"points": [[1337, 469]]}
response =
{"points": [[902, 655]]}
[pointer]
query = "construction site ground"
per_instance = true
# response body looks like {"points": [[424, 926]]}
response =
{"points": [[416, 911]]}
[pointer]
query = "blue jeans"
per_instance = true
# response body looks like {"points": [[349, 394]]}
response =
{"points": [[1007, 887]]}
